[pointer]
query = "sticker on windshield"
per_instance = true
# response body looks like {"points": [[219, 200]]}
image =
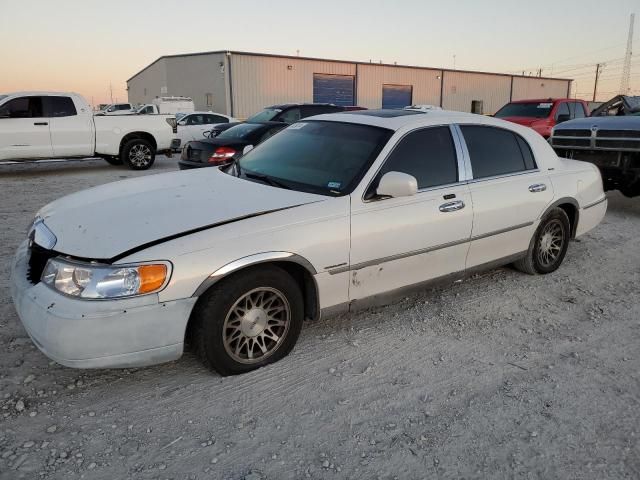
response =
{"points": [[297, 126], [544, 105], [335, 185]]}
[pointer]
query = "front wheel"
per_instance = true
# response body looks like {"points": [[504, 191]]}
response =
{"points": [[548, 246], [138, 154], [249, 320]]}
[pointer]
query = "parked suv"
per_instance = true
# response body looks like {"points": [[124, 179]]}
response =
{"points": [[287, 113], [543, 115]]}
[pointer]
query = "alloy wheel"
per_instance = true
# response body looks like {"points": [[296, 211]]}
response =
{"points": [[256, 325]]}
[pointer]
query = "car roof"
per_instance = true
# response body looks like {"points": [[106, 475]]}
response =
{"points": [[546, 100], [395, 119], [202, 112], [290, 105]]}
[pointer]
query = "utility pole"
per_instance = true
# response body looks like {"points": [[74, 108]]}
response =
{"points": [[454, 62], [111, 91], [626, 70], [595, 85]]}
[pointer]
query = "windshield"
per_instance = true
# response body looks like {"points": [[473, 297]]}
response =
{"points": [[179, 115], [533, 110], [265, 115], [239, 131], [328, 158], [2, 97]]}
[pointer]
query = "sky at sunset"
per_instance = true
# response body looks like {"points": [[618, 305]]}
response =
{"points": [[86, 45]]}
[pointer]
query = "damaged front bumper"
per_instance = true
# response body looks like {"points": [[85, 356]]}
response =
{"points": [[80, 333]]}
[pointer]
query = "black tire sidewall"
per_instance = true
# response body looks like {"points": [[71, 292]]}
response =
{"points": [[555, 214], [129, 145], [213, 307]]}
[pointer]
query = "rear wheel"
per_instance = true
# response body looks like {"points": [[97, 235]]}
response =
{"points": [[249, 320], [548, 246], [138, 154]]}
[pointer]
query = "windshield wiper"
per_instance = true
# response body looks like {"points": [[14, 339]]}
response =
{"points": [[267, 179]]}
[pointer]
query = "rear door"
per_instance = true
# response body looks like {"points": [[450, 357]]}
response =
{"points": [[509, 193], [71, 130], [24, 130]]}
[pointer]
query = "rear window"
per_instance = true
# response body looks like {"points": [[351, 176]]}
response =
{"points": [[265, 115], [59, 107], [532, 110], [239, 131]]}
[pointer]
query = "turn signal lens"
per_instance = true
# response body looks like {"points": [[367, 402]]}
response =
{"points": [[151, 277]]}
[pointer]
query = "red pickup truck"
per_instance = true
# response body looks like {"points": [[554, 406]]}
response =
{"points": [[543, 114]]}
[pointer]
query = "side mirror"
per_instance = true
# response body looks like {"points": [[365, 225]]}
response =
{"points": [[182, 122], [563, 117], [397, 184], [247, 149]]}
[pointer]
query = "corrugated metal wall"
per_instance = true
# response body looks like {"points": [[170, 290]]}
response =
{"points": [[461, 88], [148, 84], [255, 81], [531, 87], [371, 78], [196, 76], [262, 81]]}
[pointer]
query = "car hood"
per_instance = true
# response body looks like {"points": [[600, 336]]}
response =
{"points": [[610, 123], [109, 221]]}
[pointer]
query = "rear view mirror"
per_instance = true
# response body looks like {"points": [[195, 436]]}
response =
{"points": [[397, 184]]}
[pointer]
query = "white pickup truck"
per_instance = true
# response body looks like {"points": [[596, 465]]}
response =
{"points": [[38, 125]]}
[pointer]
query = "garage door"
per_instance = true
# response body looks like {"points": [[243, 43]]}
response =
{"points": [[336, 89], [396, 96]]}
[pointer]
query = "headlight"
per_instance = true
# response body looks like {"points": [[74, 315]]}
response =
{"points": [[87, 280]]}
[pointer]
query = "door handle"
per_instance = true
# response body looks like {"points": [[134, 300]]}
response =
{"points": [[41, 123], [451, 206], [537, 187]]}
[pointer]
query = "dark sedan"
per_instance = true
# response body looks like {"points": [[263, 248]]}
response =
{"points": [[228, 146]]}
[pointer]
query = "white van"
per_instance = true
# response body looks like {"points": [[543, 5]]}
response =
{"points": [[167, 105]]}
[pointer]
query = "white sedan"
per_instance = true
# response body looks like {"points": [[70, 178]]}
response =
{"points": [[335, 212], [196, 125]]}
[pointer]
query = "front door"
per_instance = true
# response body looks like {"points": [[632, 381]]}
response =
{"points": [[24, 130], [397, 242]]}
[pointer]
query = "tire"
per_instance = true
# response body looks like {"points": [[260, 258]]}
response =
{"points": [[113, 160], [228, 323], [548, 246], [631, 191], [138, 154]]}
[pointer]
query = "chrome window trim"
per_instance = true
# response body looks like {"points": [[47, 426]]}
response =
{"points": [[435, 187], [504, 175], [464, 151]]}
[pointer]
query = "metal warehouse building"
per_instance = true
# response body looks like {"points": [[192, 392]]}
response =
{"points": [[241, 83]]}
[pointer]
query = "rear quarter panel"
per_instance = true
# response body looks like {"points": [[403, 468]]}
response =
{"points": [[110, 130]]}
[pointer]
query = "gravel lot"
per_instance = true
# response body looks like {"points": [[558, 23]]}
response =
{"points": [[503, 375]]}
